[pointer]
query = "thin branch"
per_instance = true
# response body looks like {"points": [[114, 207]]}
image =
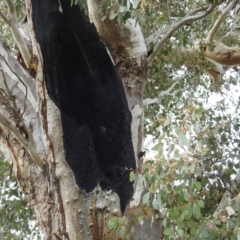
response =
{"points": [[158, 99], [29, 146], [175, 27], [13, 25], [153, 37], [219, 21], [168, 11], [150, 101], [4, 17], [197, 10]]}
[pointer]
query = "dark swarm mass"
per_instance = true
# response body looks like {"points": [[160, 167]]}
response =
{"points": [[82, 81]]}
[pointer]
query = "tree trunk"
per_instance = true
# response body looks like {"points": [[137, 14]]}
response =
{"points": [[128, 50]]}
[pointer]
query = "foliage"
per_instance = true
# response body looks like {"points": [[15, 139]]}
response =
{"points": [[197, 158], [16, 220], [198, 153]]}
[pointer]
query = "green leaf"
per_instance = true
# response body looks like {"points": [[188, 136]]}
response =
{"points": [[164, 222], [132, 176], [112, 15], [166, 122], [204, 233], [205, 127], [200, 203], [139, 180], [181, 224], [103, 18], [174, 213], [122, 232], [161, 137], [193, 231], [155, 203], [176, 153], [112, 224], [198, 185], [122, 9], [146, 197], [152, 188], [187, 212], [135, 2], [167, 231], [186, 196], [183, 139], [121, 220], [171, 148], [180, 198], [192, 167], [179, 188], [159, 199], [160, 150], [156, 147], [180, 232], [196, 211]]}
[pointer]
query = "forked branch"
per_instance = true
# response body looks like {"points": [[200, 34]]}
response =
{"points": [[176, 26], [165, 93], [154, 37], [219, 21]]}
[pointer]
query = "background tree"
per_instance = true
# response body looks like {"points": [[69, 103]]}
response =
{"points": [[190, 47]]}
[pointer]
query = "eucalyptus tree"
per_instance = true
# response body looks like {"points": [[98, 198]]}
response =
{"points": [[74, 136]]}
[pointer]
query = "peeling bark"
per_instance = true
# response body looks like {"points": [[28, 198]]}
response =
{"points": [[222, 54]]}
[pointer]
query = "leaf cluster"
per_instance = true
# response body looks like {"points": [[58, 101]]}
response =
{"points": [[16, 220]]}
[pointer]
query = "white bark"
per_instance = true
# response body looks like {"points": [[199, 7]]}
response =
{"points": [[177, 25], [13, 26], [167, 92], [217, 24]]}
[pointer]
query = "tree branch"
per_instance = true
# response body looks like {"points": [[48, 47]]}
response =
{"points": [[222, 54], [158, 99], [175, 27], [153, 37], [28, 144], [156, 35], [4, 17], [219, 21], [13, 25]]}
